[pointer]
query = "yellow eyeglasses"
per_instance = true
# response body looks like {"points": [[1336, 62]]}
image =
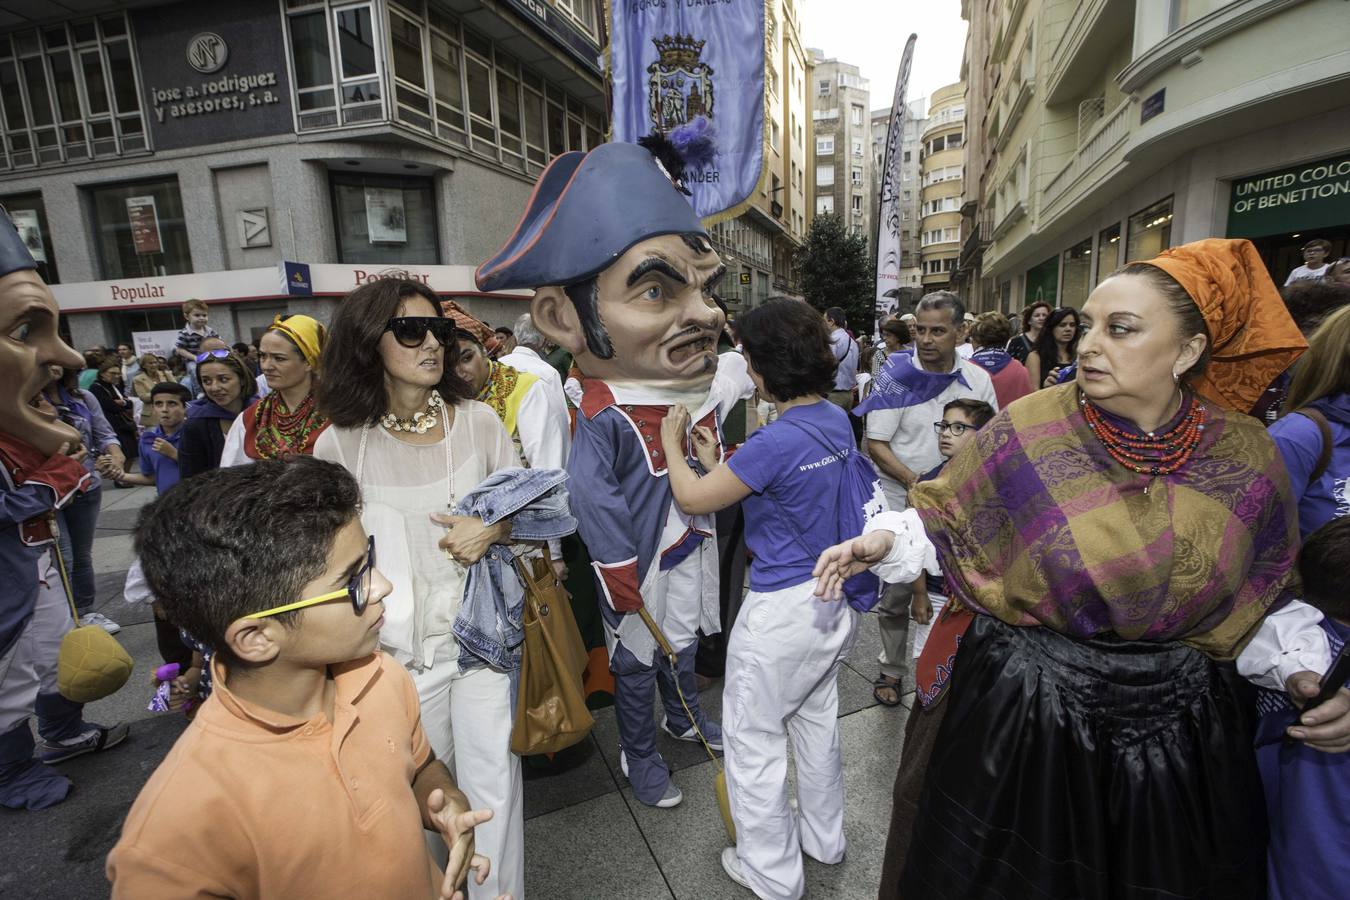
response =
{"points": [[358, 589]]}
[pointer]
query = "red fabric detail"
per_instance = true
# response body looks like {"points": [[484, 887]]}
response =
{"points": [[26, 465], [621, 586], [933, 668], [595, 397]]}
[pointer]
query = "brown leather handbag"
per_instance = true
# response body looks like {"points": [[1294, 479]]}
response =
{"points": [[551, 708]]}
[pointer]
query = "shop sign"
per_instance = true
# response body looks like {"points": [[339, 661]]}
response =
{"points": [[1152, 105], [583, 48], [144, 219], [296, 279], [1299, 198], [207, 52]]}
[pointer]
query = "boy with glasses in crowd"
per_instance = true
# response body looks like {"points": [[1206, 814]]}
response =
{"points": [[306, 773], [960, 420]]}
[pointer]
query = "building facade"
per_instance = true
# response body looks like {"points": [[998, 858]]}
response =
{"points": [[270, 159], [844, 177], [911, 268], [1118, 129], [941, 179], [759, 245]]}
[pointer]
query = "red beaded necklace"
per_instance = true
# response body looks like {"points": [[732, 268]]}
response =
{"points": [[1149, 454]]}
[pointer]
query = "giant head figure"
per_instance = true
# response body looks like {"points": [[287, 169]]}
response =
{"points": [[623, 272], [29, 344]]}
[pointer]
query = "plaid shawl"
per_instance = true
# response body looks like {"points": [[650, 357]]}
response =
{"points": [[1036, 524]]}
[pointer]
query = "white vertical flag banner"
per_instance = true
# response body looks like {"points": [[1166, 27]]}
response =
{"points": [[694, 71], [888, 216]]}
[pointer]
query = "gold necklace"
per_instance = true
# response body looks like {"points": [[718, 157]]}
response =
{"points": [[421, 422]]}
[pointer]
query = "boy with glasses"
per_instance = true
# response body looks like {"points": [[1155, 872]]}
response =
{"points": [[306, 773], [960, 420]]}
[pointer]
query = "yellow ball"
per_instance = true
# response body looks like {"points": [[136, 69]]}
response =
{"points": [[92, 665]]}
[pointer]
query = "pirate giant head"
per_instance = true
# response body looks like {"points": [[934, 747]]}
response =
{"points": [[29, 344], [623, 270]]}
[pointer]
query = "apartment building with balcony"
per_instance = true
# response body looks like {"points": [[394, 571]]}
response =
{"points": [[1121, 127], [911, 269], [841, 118], [159, 151], [941, 171], [758, 246]]}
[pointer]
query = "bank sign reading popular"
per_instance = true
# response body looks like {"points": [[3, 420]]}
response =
{"points": [[1313, 195]]}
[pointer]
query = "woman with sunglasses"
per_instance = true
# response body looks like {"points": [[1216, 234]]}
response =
{"points": [[405, 424], [229, 388], [287, 421]]}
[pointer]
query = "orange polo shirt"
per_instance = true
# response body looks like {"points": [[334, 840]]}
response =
{"points": [[251, 803]]}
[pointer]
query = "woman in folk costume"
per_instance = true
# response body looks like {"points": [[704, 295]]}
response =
{"points": [[287, 421], [1116, 544]]}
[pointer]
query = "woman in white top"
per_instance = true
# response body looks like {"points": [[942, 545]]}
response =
{"points": [[403, 424]]}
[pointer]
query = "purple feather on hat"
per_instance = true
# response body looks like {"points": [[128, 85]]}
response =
{"points": [[697, 142]]}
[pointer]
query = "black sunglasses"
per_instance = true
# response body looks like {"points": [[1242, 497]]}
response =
{"points": [[411, 331]]}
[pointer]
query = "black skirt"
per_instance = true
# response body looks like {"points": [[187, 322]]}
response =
{"points": [[1089, 769]]}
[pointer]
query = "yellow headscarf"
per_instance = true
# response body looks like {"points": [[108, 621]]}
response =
{"points": [[306, 333]]}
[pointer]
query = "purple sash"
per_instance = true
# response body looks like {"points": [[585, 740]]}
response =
{"points": [[900, 383]]}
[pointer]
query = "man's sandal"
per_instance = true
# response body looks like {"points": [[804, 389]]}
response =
{"points": [[886, 683]]}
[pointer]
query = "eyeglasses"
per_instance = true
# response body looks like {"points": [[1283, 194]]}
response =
{"points": [[956, 428], [411, 331], [213, 354], [358, 589]]}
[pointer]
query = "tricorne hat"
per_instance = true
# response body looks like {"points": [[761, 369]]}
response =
{"points": [[586, 211]]}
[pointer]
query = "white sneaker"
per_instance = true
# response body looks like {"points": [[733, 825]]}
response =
{"points": [[714, 738], [671, 798], [101, 621], [731, 864]]}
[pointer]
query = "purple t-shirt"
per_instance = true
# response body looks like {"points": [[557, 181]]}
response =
{"points": [[795, 472]]}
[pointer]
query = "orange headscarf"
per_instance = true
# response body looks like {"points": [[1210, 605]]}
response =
{"points": [[1252, 336]]}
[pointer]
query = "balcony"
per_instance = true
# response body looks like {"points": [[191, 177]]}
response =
{"points": [[1106, 135], [941, 120], [1011, 217], [1007, 29], [1096, 28], [977, 240], [1020, 91]]}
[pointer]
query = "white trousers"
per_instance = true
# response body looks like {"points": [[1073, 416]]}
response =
{"points": [[920, 631], [467, 720], [29, 666], [782, 662]]}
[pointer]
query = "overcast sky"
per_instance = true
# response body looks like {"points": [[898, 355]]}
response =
{"points": [[871, 35]]}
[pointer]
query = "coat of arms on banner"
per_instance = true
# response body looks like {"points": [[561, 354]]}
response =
{"points": [[681, 84]]}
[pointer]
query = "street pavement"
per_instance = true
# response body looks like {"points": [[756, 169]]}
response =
{"points": [[586, 836]]}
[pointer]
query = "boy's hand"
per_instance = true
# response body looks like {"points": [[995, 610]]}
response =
{"points": [[1326, 728], [165, 449], [455, 821], [921, 608]]}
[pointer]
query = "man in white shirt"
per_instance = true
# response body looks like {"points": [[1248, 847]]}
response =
{"points": [[904, 446], [1315, 264], [528, 356]]}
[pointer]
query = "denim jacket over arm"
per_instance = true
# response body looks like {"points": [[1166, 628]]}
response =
{"points": [[489, 624]]}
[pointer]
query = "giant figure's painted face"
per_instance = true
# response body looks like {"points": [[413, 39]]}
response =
{"points": [[29, 343], [656, 315]]}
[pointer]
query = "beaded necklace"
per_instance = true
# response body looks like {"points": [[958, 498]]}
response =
{"points": [[420, 423], [1150, 454]]}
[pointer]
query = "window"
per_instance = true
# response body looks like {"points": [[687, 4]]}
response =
{"points": [[29, 215], [909, 196], [580, 11], [824, 88], [140, 230], [825, 145], [856, 116], [345, 82], [1150, 231], [856, 176], [824, 204], [1076, 266], [1184, 12], [775, 136], [857, 204], [908, 155], [857, 147], [384, 220], [69, 93], [824, 176], [1108, 253]]}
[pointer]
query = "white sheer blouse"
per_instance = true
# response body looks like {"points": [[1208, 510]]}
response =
{"points": [[402, 484]]}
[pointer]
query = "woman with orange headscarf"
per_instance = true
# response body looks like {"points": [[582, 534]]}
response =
{"points": [[286, 422], [1115, 545]]}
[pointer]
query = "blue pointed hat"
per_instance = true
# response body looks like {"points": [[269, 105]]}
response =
{"points": [[14, 253], [586, 211]]}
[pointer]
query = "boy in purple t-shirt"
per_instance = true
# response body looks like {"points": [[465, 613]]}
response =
{"points": [[159, 445]]}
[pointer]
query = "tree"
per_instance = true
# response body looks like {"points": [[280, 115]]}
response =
{"points": [[834, 271]]}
